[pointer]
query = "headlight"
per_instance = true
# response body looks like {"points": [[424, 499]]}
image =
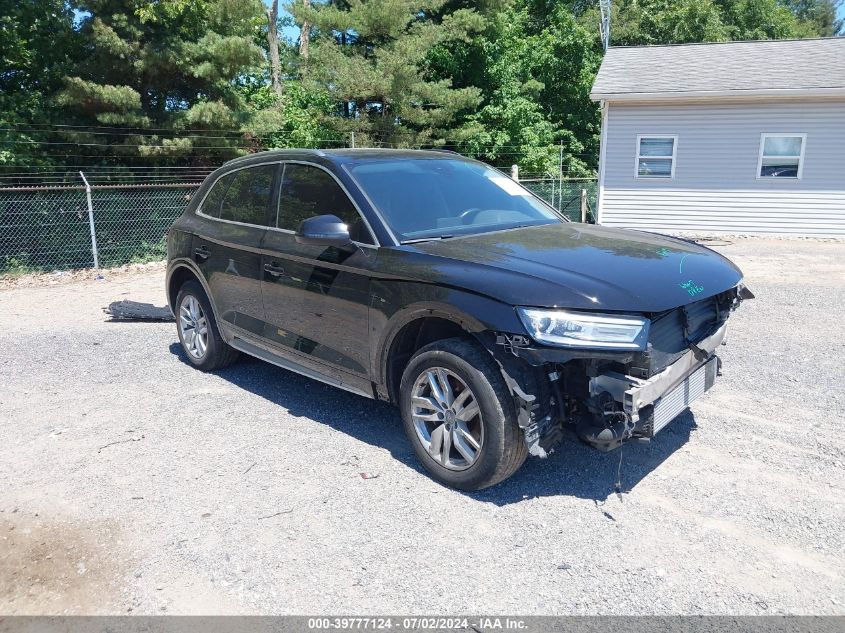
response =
{"points": [[585, 330]]}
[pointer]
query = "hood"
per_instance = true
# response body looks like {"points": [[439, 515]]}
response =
{"points": [[581, 266]]}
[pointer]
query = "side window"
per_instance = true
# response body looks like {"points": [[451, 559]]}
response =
{"points": [[656, 156], [781, 155], [212, 202], [308, 191], [248, 195]]}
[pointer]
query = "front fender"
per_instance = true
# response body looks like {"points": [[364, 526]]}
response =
{"points": [[396, 304]]}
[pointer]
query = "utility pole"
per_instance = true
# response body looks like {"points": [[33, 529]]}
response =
{"points": [[604, 27]]}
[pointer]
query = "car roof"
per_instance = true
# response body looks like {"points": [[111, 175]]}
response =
{"points": [[341, 155]]}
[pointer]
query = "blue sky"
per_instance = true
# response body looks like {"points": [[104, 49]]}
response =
{"points": [[289, 32]]}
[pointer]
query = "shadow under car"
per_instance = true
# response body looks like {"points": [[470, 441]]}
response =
{"points": [[573, 469]]}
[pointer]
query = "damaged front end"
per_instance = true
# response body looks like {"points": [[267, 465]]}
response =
{"points": [[608, 396]]}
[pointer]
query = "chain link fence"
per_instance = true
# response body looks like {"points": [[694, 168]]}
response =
{"points": [[574, 198], [45, 228]]}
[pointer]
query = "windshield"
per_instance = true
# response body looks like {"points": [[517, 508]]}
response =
{"points": [[438, 198]]}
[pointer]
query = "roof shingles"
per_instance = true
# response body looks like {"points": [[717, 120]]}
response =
{"points": [[743, 68]]}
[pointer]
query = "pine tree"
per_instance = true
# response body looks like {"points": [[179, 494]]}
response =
{"points": [[169, 65], [37, 47], [372, 57]]}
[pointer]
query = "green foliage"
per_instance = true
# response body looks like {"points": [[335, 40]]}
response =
{"points": [[302, 117], [371, 56], [37, 44], [763, 20], [186, 81], [16, 266], [819, 14], [167, 64], [536, 70], [637, 22], [93, 98]]}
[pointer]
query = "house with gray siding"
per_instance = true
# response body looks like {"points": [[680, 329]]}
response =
{"points": [[735, 137]]}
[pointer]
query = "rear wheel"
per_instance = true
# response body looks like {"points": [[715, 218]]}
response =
{"points": [[197, 328], [459, 415]]}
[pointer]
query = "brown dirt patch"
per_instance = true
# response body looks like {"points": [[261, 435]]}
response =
{"points": [[58, 567]]}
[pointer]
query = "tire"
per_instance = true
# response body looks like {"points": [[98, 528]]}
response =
{"points": [[502, 448], [215, 353]]}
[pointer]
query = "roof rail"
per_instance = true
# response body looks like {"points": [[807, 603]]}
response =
{"points": [[303, 150]]}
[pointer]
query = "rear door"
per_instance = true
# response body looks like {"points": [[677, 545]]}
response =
{"points": [[228, 250], [316, 297]]}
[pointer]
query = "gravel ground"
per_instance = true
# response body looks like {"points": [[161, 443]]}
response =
{"points": [[133, 483]]}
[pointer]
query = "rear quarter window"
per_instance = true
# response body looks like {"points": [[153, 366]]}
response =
{"points": [[211, 204], [248, 196]]}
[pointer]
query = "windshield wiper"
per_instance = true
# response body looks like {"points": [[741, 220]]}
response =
{"points": [[427, 239]]}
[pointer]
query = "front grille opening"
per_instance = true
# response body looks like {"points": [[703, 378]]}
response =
{"points": [[672, 332]]}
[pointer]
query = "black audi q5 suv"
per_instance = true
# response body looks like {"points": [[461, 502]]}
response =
{"points": [[440, 284]]}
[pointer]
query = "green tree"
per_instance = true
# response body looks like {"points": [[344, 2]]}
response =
{"points": [[302, 116], [763, 20], [821, 14], [638, 22], [38, 45], [168, 65], [371, 56], [535, 65]]}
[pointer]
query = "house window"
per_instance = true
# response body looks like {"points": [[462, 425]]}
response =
{"points": [[656, 156], [781, 155]]}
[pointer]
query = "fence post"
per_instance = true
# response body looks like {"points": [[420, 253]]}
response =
{"points": [[583, 205], [560, 178], [91, 221], [515, 172], [352, 134]]}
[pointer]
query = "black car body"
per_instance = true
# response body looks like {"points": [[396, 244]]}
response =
{"points": [[285, 282]]}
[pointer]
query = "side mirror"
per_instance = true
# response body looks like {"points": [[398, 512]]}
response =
{"points": [[323, 230]]}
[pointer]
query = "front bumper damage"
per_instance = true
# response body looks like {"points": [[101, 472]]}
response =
{"points": [[608, 397], [639, 407]]}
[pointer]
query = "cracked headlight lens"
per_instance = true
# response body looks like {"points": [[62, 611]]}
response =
{"points": [[585, 330]]}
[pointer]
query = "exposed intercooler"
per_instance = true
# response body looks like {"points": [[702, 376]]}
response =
{"points": [[678, 366]]}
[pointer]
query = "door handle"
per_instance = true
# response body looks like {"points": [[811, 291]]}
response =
{"points": [[202, 253], [274, 269]]}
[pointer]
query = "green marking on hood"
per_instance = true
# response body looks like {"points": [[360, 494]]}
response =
{"points": [[691, 287]]}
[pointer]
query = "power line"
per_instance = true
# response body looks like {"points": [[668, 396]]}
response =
{"points": [[118, 127], [107, 167], [89, 133], [177, 134], [118, 145]]}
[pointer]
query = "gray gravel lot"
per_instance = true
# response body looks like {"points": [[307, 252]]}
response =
{"points": [[133, 483]]}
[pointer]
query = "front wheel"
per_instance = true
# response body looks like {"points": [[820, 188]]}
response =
{"points": [[459, 415]]}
